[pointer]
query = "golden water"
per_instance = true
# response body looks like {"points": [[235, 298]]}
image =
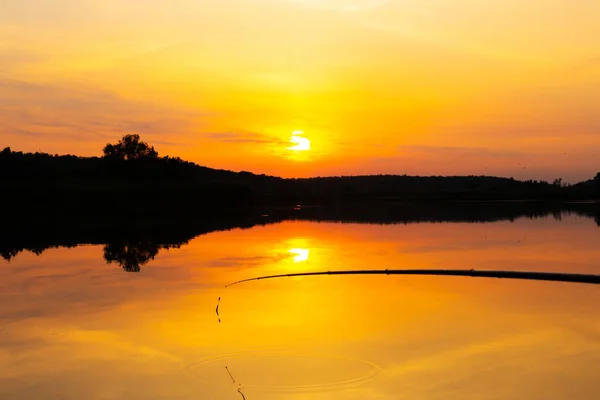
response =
{"points": [[74, 327]]}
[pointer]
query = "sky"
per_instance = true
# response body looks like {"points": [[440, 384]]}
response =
{"points": [[301, 88]]}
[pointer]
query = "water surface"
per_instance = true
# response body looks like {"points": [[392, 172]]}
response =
{"points": [[74, 327]]}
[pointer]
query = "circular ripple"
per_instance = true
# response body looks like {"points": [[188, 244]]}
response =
{"points": [[271, 370]]}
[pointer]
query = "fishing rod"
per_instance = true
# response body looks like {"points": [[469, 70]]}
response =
{"points": [[526, 275]]}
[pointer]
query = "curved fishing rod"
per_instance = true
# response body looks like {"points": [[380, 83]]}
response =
{"points": [[528, 275]]}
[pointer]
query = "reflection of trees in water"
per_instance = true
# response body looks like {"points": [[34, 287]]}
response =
{"points": [[8, 254], [133, 247], [132, 254]]}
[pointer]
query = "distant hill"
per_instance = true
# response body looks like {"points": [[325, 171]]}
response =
{"points": [[132, 180]]}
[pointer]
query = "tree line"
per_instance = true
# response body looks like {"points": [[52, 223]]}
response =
{"points": [[132, 172]]}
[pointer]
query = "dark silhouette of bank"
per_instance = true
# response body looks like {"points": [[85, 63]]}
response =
{"points": [[132, 182]]}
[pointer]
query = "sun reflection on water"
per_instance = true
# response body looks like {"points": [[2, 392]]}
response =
{"points": [[301, 254]]}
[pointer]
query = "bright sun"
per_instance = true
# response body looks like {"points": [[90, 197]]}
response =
{"points": [[301, 143]]}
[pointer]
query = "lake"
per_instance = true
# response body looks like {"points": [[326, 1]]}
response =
{"points": [[73, 326]]}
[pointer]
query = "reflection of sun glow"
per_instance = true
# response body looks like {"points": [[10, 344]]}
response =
{"points": [[301, 143], [301, 254]]}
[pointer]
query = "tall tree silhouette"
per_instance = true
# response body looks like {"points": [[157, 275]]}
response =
{"points": [[130, 148]]}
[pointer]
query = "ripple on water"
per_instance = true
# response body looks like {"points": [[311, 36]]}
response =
{"points": [[279, 370]]}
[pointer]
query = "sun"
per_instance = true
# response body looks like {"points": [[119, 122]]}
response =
{"points": [[300, 142]]}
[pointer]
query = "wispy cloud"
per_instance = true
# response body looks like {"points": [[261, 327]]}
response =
{"points": [[56, 113], [339, 5], [456, 151], [242, 137], [14, 58]]}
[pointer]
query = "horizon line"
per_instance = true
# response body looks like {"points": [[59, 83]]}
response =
{"points": [[315, 176]]}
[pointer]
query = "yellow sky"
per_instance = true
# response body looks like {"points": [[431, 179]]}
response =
{"points": [[399, 86]]}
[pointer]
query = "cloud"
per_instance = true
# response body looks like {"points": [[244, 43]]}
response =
{"points": [[79, 114], [13, 59], [457, 151], [339, 5], [591, 63], [242, 137]]}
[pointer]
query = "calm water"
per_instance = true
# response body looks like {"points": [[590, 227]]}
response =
{"points": [[74, 327]]}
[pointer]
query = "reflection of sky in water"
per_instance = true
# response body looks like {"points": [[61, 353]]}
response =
{"points": [[72, 326]]}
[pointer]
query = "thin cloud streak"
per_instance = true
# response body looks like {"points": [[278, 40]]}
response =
{"points": [[57, 113], [242, 137], [458, 151]]}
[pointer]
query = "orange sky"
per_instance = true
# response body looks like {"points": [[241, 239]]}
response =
{"points": [[507, 87]]}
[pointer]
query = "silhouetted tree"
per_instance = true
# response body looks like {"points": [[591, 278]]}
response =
{"points": [[597, 179], [557, 182], [130, 148], [5, 153]]}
